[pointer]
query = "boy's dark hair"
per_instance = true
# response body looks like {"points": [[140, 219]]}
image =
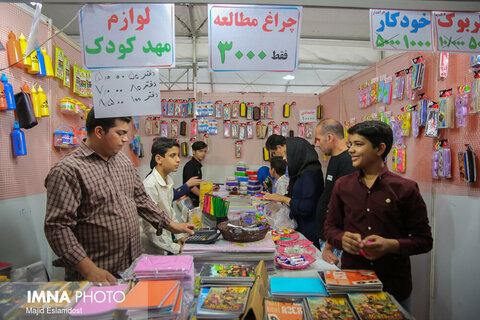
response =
{"points": [[198, 145], [105, 123], [376, 132], [331, 126], [279, 165], [274, 141], [161, 146]]}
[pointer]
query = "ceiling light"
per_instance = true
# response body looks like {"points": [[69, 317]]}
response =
{"points": [[288, 77]]}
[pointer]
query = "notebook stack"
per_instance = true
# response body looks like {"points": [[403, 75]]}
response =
{"points": [[66, 293], [89, 308], [153, 300], [361, 306], [344, 281], [328, 308], [222, 302], [227, 275], [13, 295], [377, 306], [227, 252], [284, 309], [150, 267], [297, 287]]}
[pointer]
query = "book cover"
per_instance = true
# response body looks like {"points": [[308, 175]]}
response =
{"points": [[227, 299], [12, 295], [149, 263], [90, 307], [375, 306], [330, 308], [148, 294], [297, 286], [351, 277], [217, 270], [71, 288], [283, 310], [54, 287]]}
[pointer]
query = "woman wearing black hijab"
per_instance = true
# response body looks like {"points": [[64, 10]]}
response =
{"points": [[305, 187]]}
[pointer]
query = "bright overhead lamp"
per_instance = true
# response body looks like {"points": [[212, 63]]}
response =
{"points": [[288, 77]]}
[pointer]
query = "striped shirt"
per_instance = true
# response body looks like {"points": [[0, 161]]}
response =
{"points": [[92, 211]]}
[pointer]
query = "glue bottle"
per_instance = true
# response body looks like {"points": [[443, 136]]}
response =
{"points": [[18, 141], [27, 61], [35, 103], [48, 63], [7, 88], [42, 100], [33, 68], [42, 71], [14, 51]]}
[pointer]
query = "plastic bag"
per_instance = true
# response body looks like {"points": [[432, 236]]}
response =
{"points": [[278, 216]]}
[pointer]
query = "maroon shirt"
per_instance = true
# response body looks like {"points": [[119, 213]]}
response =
{"points": [[392, 208]]}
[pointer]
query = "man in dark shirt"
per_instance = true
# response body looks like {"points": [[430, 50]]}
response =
{"points": [[378, 218], [193, 168], [329, 138]]}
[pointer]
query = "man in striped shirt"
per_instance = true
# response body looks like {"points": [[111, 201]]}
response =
{"points": [[94, 195]]}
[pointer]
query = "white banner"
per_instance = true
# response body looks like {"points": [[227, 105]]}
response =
{"points": [[253, 38], [128, 35], [129, 92], [457, 31], [401, 30]]}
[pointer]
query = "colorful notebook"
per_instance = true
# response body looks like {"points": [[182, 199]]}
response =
{"points": [[227, 299], [375, 306], [330, 308], [90, 307], [148, 294], [283, 310], [297, 287]]}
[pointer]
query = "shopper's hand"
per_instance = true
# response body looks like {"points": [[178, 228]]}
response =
{"points": [[89, 270], [101, 276], [193, 181], [376, 247], [276, 197], [352, 242], [328, 255], [175, 227]]}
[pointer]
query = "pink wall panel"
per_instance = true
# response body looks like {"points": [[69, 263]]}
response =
{"points": [[222, 150], [21, 176], [341, 102]]}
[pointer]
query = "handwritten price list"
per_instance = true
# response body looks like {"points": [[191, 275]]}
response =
{"points": [[263, 38], [127, 35], [457, 32], [401, 30], [126, 92]]}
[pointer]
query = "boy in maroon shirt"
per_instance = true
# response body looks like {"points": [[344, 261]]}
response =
{"points": [[378, 218]]}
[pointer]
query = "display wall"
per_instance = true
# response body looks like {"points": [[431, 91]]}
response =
{"points": [[452, 205]]}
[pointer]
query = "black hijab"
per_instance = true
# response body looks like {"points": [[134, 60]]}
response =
{"points": [[301, 157]]}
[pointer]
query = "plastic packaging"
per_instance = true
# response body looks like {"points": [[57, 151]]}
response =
{"points": [[63, 138], [18, 141]]}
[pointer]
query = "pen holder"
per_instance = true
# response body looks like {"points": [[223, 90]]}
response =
{"points": [[243, 231]]}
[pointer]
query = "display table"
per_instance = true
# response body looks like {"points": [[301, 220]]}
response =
{"points": [[310, 271]]}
